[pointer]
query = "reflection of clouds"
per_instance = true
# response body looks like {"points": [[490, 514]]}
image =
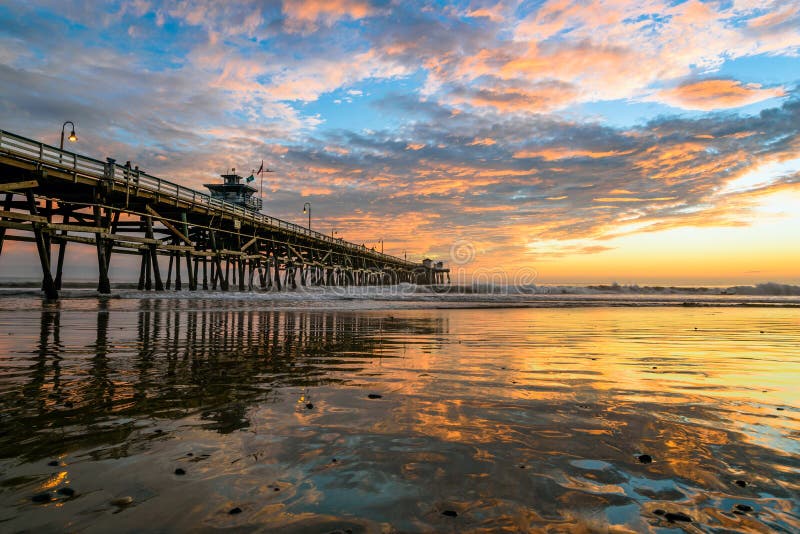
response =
{"points": [[168, 363], [480, 409]]}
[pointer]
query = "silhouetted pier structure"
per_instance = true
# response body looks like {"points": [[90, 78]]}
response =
{"points": [[54, 197]]}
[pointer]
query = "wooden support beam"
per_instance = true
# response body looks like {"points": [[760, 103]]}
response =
{"points": [[169, 225], [48, 285], [62, 246], [17, 186], [64, 227], [15, 226], [153, 256], [189, 271], [23, 216], [6, 207], [249, 244], [103, 284], [134, 238]]}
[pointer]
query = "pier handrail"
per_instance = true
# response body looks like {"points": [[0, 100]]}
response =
{"points": [[51, 156]]}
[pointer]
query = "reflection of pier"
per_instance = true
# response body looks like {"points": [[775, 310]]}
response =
{"points": [[54, 197], [167, 363]]}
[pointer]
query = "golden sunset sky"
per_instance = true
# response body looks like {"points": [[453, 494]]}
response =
{"points": [[553, 141]]}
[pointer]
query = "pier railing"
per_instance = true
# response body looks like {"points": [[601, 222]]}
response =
{"points": [[125, 176]]}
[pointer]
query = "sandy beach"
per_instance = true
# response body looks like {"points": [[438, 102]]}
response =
{"points": [[200, 414]]}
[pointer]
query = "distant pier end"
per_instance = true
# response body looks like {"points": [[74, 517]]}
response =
{"points": [[221, 241]]}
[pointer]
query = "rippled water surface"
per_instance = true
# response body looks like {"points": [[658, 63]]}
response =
{"points": [[179, 415]]}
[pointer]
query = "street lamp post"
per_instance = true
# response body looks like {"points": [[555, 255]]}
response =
{"points": [[381, 242], [307, 209], [72, 137]]}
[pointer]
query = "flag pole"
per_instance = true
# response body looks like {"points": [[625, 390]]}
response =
{"points": [[261, 187]]}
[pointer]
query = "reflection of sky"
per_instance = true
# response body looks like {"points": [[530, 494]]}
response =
{"points": [[480, 409], [443, 122]]}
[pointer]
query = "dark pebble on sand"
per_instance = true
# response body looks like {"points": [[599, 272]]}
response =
{"points": [[334, 460], [310, 405], [523, 466], [645, 459], [180, 471], [779, 409], [69, 404], [158, 431], [234, 511], [53, 463], [744, 507], [677, 516], [374, 396], [450, 513], [277, 489], [741, 483], [40, 498], [189, 454], [67, 492], [659, 511]]}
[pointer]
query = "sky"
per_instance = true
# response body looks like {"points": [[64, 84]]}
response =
{"points": [[553, 141]]}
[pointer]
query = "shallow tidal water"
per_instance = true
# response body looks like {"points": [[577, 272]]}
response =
{"points": [[178, 415]]}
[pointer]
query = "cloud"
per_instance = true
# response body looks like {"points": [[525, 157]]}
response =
{"points": [[306, 15], [714, 94]]}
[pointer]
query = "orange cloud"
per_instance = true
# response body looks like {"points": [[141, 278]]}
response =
{"points": [[415, 146], [709, 95], [304, 15], [557, 153], [486, 141], [537, 98]]}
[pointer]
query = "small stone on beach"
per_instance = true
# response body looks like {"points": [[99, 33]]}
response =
{"points": [[744, 507], [450, 513], [645, 458], [67, 492], [277, 489], [234, 511], [41, 498], [374, 396], [180, 471], [659, 511], [741, 483], [122, 501], [53, 463], [310, 405], [677, 516]]}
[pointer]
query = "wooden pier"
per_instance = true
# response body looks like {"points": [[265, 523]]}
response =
{"points": [[54, 197]]}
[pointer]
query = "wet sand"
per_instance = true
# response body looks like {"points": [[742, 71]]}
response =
{"points": [[199, 415]]}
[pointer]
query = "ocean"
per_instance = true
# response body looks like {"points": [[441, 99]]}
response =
{"points": [[403, 409]]}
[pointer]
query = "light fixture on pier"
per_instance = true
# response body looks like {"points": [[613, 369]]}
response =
{"points": [[72, 137], [307, 209]]}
